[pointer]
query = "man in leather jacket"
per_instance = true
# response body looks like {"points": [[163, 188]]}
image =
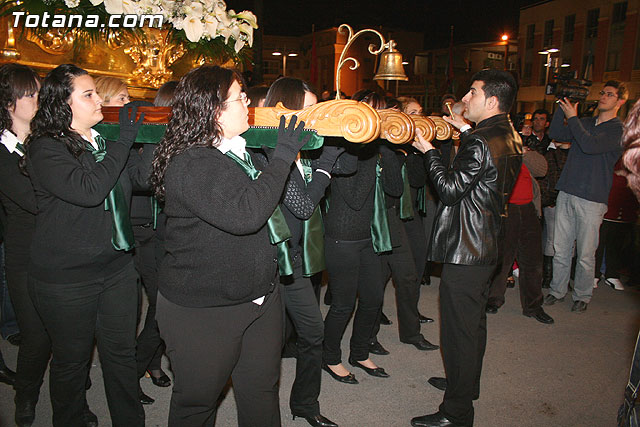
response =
{"points": [[474, 193]]}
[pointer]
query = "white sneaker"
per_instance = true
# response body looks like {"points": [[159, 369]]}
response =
{"points": [[615, 284], [595, 282]]}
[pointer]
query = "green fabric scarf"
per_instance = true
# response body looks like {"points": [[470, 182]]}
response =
{"points": [[116, 202], [421, 199], [312, 233], [379, 222], [279, 232], [406, 210]]}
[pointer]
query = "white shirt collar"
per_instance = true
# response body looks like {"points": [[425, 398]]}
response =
{"points": [[237, 145], [94, 133], [552, 146], [10, 141]]}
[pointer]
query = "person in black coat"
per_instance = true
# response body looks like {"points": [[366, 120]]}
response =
{"points": [[219, 307], [19, 86], [467, 233], [305, 188], [353, 264], [81, 275]]}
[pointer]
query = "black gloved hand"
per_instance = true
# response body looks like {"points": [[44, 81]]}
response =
{"points": [[328, 157], [128, 124], [289, 141]]}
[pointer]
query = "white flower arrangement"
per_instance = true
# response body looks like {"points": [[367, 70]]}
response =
{"points": [[201, 20]]}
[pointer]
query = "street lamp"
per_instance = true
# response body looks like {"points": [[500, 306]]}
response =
{"points": [[547, 52], [505, 39], [284, 60]]}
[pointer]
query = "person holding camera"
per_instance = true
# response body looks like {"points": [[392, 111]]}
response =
{"points": [[584, 189]]}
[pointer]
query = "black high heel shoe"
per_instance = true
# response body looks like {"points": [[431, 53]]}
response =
{"points": [[162, 381], [374, 372], [347, 379], [318, 421]]}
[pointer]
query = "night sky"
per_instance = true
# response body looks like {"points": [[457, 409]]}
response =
{"points": [[473, 20]]}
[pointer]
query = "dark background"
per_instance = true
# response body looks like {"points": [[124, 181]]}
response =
{"points": [[474, 21]]}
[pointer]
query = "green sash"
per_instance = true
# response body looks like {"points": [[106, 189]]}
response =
{"points": [[406, 210], [278, 230], [312, 233], [379, 222], [421, 199], [155, 211], [20, 149], [122, 232]]}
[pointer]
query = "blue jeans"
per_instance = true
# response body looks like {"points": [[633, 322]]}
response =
{"points": [[577, 220], [8, 321]]}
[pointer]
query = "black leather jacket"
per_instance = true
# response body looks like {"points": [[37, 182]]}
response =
{"points": [[474, 193]]}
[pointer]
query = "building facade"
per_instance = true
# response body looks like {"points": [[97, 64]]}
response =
{"points": [[595, 39]]}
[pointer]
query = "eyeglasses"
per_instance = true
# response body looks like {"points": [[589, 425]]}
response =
{"points": [[609, 94], [243, 98]]}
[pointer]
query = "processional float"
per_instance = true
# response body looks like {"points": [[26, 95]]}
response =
{"points": [[356, 122]]}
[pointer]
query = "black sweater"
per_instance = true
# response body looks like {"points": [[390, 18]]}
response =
{"points": [[298, 201], [352, 196], [19, 202], [217, 244], [72, 239]]}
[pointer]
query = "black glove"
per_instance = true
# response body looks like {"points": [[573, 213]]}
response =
{"points": [[128, 124], [328, 158], [289, 141]]}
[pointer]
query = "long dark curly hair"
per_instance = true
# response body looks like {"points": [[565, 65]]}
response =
{"points": [[197, 103], [631, 145], [16, 81], [53, 118]]}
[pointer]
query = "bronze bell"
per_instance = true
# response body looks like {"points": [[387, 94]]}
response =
{"points": [[390, 67]]}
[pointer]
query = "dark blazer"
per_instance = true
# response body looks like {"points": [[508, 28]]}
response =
{"points": [[19, 202], [474, 193]]}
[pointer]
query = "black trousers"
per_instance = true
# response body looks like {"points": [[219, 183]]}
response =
{"points": [[35, 347], [427, 222], [616, 239], [207, 345], [149, 346], [522, 241], [354, 273], [463, 336], [301, 304], [418, 241], [76, 314], [400, 264]]}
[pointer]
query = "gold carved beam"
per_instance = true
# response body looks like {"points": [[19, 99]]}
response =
{"points": [[354, 121], [425, 126], [397, 127]]}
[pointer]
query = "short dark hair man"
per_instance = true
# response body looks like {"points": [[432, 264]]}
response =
{"points": [[584, 187], [474, 192], [539, 140]]}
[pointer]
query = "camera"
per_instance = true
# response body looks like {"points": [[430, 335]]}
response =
{"points": [[564, 84]]}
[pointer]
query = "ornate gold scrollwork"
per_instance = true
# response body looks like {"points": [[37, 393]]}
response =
{"points": [[425, 126], [354, 121], [397, 127], [444, 130], [56, 41], [154, 56]]}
